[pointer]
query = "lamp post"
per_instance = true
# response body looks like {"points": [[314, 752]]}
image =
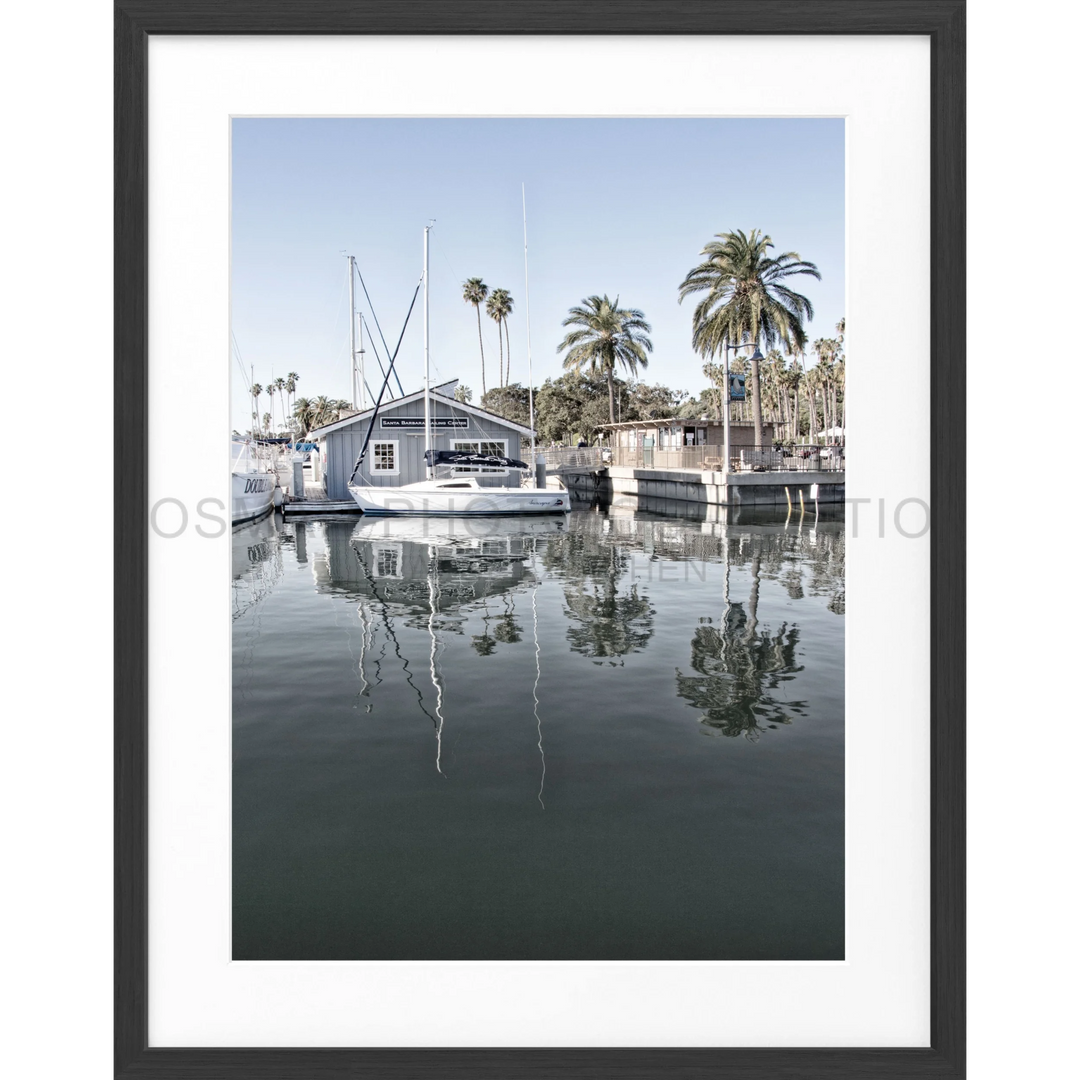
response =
{"points": [[727, 395]]}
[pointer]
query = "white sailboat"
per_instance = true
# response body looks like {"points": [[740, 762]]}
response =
{"points": [[456, 496], [254, 480]]}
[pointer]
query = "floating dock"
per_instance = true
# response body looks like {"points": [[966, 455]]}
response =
{"points": [[320, 507]]}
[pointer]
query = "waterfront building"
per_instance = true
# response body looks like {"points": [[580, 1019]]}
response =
{"points": [[395, 454]]}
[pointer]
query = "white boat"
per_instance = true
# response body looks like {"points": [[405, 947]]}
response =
{"points": [[254, 481], [459, 497], [453, 495]]}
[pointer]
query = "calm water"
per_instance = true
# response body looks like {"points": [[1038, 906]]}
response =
{"points": [[617, 736]]}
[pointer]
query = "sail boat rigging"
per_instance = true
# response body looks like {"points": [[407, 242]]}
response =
{"points": [[453, 495]]}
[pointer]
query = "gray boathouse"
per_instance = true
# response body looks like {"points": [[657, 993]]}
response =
{"points": [[395, 454]]}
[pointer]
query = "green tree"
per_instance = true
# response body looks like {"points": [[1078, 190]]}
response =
{"points": [[304, 415], [654, 402], [747, 301], [604, 336], [511, 402], [323, 411], [573, 405], [475, 292], [462, 393]]}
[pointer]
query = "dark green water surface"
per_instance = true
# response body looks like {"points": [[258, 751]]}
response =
{"points": [[614, 736]]}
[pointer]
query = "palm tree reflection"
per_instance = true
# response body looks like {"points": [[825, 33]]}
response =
{"points": [[740, 669], [608, 624], [608, 618]]}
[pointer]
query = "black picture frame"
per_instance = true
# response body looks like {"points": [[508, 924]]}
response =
{"points": [[943, 21]]}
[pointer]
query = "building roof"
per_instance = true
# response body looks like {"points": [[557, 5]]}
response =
{"points": [[352, 418], [693, 420]]}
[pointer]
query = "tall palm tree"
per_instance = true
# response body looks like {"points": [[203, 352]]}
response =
{"points": [[279, 386], [495, 311], [474, 292], [290, 385], [828, 352], [715, 374], [256, 393], [271, 389], [606, 335], [499, 306], [746, 301]]}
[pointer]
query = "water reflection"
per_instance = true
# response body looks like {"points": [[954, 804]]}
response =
{"points": [[741, 668], [478, 581], [433, 574], [461, 742], [257, 564], [608, 616]]}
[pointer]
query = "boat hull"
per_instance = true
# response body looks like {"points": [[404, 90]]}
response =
{"points": [[252, 495], [423, 501]]}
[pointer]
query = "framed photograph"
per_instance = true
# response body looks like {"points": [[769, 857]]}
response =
{"points": [[491, 707]]}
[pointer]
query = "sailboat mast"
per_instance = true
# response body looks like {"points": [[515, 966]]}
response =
{"points": [[363, 379], [352, 331], [528, 330], [427, 363]]}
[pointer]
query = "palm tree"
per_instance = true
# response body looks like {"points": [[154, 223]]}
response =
{"points": [[829, 354], [747, 301], [715, 374], [290, 385], [304, 414], [606, 335], [279, 386], [500, 304], [322, 408], [267, 418], [474, 292], [256, 393]]}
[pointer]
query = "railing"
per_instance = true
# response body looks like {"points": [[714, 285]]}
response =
{"points": [[653, 457], [799, 458], [804, 457], [589, 458]]}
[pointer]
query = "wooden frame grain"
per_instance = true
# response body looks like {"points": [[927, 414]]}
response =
{"points": [[943, 21]]}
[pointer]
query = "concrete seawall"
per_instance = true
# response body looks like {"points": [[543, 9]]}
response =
{"points": [[697, 486]]}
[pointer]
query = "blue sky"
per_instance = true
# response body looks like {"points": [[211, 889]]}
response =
{"points": [[616, 206]]}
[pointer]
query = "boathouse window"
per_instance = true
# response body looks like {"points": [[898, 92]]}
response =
{"points": [[496, 447], [384, 458], [388, 561]]}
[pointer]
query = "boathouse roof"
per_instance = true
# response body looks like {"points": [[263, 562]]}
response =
{"points": [[436, 396]]}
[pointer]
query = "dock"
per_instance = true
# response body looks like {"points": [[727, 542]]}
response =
{"points": [[320, 507], [709, 487]]}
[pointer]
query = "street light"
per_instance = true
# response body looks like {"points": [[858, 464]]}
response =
{"points": [[727, 395]]}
